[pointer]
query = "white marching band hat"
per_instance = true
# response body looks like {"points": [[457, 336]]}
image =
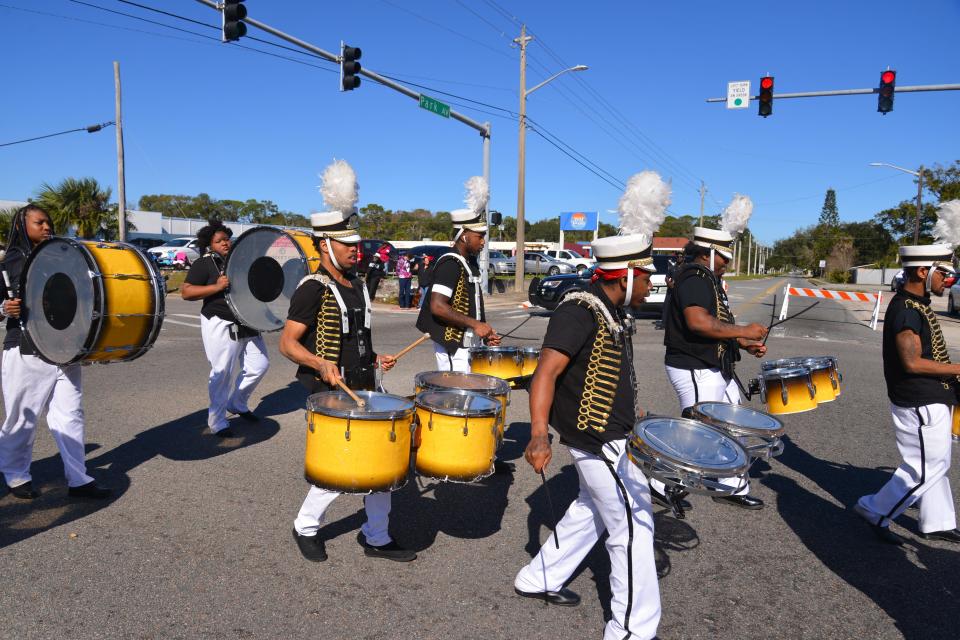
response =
{"points": [[732, 223], [474, 217], [339, 189], [469, 220], [927, 255], [624, 252], [719, 241]]}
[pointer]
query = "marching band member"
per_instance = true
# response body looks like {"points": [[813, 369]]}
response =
{"points": [[701, 335], [31, 385], [327, 333], [585, 388], [922, 387], [237, 355]]}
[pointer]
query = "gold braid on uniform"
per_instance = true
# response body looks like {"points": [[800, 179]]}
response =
{"points": [[938, 346], [603, 369], [461, 304], [329, 328], [723, 313]]}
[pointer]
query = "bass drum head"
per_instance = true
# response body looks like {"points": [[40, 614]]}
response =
{"points": [[62, 295], [692, 444], [264, 266]]}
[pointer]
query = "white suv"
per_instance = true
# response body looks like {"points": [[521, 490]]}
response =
{"points": [[571, 258]]}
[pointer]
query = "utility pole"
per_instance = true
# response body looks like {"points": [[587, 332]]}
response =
{"points": [[749, 254], [703, 190], [521, 168], [121, 183], [916, 224]]}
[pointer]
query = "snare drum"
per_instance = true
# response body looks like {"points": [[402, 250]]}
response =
{"points": [[530, 356], [477, 382], [358, 450], [757, 432], [499, 362], [788, 390], [456, 435], [264, 266], [688, 454], [87, 301]]}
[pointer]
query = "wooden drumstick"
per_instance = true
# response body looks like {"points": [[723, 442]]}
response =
{"points": [[6, 282], [360, 402], [411, 346]]}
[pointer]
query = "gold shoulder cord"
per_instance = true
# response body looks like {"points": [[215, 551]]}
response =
{"points": [[328, 327], [723, 315], [460, 304], [603, 376], [938, 345]]}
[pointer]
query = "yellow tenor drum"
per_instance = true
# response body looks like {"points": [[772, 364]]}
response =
{"points": [[476, 382], [788, 390], [456, 435], [956, 423], [264, 267], [530, 357], [358, 450], [823, 371], [87, 301], [505, 363]]}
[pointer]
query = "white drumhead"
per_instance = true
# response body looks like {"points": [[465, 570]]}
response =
{"points": [[457, 402], [693, 444], [264, 266], [738, 416], [457, 380], [60, 294], [379, 406]]}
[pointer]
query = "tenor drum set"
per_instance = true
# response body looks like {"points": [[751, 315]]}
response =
{"points": [[516, 365], [795, 385]]}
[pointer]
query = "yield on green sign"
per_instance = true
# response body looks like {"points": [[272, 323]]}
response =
{"points": [[437, 107]]}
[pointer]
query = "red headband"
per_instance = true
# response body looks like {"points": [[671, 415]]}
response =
{"points": [[611, 274]]}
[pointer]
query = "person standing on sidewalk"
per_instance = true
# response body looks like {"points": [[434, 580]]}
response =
{"points": [[405, 276]]}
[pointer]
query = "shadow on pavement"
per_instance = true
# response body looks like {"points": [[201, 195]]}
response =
{"points": [[915, 585], [184, 439]]}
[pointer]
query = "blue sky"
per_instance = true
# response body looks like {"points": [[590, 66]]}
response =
{"points": [[203, 116]]}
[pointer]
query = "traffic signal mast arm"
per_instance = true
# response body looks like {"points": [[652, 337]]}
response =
{"points": [[853, 92], [326, 55]]}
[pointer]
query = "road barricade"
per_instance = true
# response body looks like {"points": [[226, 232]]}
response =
{"points": [[827, 294]]}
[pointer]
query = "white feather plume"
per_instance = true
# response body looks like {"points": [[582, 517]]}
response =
{"points": [[947, 228], [338, 186], [737, 215], [478, 193], [643, 204]]}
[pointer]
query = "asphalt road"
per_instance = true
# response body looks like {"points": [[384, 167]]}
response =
{"points": [[196, 542]]}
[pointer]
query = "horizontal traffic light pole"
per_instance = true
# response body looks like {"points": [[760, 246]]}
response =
{"points": [[853, 92], [410, 93]]}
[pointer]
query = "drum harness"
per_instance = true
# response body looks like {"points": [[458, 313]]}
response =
{"points": [[460, 301], [237, 331]]}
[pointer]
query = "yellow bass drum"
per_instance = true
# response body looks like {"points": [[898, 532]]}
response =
{"points": [[88, 301]]}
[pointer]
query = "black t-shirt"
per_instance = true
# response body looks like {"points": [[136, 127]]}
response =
{"points": [[906, 389], [356, 348], [13, 262], [571, 331], [206, 271], [691, 292]]}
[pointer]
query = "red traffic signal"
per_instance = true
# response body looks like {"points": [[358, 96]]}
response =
{"points": [[888, 81], [765, 99]]}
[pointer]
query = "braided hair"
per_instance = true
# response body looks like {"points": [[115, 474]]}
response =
{"points": [[19, 241], [205, 234]]}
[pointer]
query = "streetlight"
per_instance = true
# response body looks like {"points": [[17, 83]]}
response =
{"points": [[919, 175], [521, 169]]}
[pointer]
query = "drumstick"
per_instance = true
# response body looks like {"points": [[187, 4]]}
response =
{"points": [[553, 513], [779, 322], [773, 316], [6, 282], [360, 402], [410, 347]]}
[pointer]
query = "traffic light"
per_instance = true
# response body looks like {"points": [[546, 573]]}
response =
{"points": [[888, 80], [232, 14], [766, 97], [349, 67]]}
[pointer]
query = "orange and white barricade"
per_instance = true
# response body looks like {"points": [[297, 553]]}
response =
{"points": [[843, 296]]}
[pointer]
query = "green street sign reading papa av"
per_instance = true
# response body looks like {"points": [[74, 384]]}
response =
{"points": [[437, 107]]}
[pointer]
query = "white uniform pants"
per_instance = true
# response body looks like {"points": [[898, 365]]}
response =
{"points": [[459, 361], [30, 386], [923, 438], [377, 506], [236, 367], [704, 385], [628, 520]]}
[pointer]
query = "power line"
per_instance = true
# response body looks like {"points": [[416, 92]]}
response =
{"points": [[448, 29], [497, 29], [91, 129]]}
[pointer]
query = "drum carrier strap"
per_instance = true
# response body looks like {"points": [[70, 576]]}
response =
{"points": [[332, 320], [604, 367], [461, 301]]}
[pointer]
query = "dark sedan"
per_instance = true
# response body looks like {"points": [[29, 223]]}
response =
{"points": [[549, 291]]}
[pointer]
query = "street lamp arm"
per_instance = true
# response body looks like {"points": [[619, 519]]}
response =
{"points": [[579, 67], [893, 166]]}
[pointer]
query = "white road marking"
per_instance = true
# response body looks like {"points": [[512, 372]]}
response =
{"points": [[185, 324], [185, 315]]}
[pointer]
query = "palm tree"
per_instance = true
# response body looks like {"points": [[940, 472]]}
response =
{"points": [[6, 218], [77, 202]]}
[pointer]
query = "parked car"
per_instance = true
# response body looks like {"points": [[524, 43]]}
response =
{"points": [[145, 243], [540, 263], [501, 264], [658, 282], [169, 249], [571, 257], [953, 300], [550, 291], [432, 250], [897, 281]]}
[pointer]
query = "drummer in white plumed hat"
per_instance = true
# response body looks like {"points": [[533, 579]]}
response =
{"points": [[701, 336], [328, 333], [922, 387], [585, 389]]}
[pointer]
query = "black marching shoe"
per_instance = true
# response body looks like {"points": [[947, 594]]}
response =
{"points": [[563, 598], [249, 416], [89, 490], [948, 535], [502, 467], [24, 491], [665, 501], [311, 547], [389, 551], [744, 502], [883, 534]]}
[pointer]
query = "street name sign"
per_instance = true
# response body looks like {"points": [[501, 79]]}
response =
{"points": [[435, 106], [738, 94]]}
